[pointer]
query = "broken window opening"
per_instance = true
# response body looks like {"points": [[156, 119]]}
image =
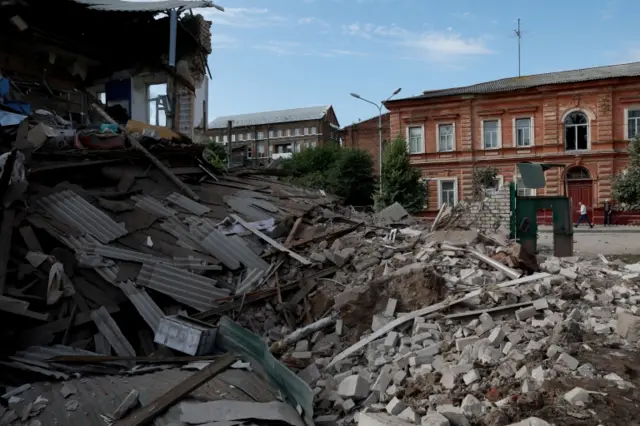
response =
{"points": [[576, 132], [157, 104]]}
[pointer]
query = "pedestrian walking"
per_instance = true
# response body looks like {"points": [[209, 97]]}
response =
{"points": [[608, 212], [583, 216]]}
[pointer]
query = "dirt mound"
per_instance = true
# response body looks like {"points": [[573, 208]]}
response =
{"points": [[413, 291], [418, 289]]}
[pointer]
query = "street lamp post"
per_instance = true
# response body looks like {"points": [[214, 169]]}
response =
{"points": [[379, 106]]}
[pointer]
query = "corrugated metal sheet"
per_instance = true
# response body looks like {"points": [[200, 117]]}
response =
{"points": [[153, 206], [101, 395], [188, 204], [253, 277], [74, 211], [35, 358], [194, 264], [112, 332], [143, 6], [79, 244], [185, 287], [145, 305], [271, 117], [230, 251]]}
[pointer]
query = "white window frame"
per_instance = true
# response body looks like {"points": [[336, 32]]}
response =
{"points": [[248, 138], [271, 134], [240, 136], [260, 136], [490, 192], [422, 138], [499, 134], [225, 138], [455, 190], [453, 136], [532, 141], [279, 133], [532, 191], [297, 131], [589, 116], [217, 139], [306, 131], [626, 120], [314, 130], [288, 132]]}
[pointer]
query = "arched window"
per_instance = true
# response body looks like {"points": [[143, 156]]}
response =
{"points": [[576, 132], [578, 173]]}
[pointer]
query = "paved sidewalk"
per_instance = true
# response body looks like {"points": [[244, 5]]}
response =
{"points": [[600, 229]]}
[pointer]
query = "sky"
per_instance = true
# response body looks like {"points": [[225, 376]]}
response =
{"points": [[281, 54]]}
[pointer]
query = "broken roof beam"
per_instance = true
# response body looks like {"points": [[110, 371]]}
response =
{"points": [[271, 241], [137, 145]]}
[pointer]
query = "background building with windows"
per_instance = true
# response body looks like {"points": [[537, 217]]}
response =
{"points": [[582, 118], [365, 135], [271, 134]]}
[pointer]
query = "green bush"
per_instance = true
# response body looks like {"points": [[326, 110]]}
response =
{"points": [[351, 177], [216, 155], [347, 173], [400, 182], [483, 178]]}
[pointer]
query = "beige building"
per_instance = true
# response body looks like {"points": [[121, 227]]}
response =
{"points": [[274, 134]]}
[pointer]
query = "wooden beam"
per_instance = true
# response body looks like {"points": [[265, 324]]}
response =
{"points": [[148, 413]]}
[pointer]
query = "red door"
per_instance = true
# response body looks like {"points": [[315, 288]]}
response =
{"points": [[581, 191]]}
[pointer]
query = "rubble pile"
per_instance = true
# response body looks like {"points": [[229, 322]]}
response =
{"points": [[123, 271]]}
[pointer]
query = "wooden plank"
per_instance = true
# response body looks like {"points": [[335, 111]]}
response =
{"points": [[148, 413], [294, 231], [422, 312], [6, 230], [137, 145], [271, 241]]}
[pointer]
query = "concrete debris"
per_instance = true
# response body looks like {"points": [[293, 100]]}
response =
{"points": [[385, 319]]}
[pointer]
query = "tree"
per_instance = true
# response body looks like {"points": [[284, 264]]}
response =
{"points": [[626, 186], [347, 173], [400, 182], [352, 177]]}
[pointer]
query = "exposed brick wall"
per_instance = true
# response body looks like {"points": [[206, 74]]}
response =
{"points": [[489, 213], [364, 135]]}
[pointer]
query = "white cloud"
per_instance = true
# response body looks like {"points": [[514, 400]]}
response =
{"points": [[280, 48], [433, 45], [464, 15], [286, 48], [245, 17], [310, 20]]}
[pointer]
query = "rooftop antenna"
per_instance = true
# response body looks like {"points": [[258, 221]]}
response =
{"points": [[519, 35]]}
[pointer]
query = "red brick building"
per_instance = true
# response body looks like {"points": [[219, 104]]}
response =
{"points": [[582, 118], [364, 135]]}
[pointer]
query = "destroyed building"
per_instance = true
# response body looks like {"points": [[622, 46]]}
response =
{"points": [[138, 285]]}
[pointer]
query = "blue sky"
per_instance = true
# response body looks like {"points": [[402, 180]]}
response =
{"points": [[281, 54]]}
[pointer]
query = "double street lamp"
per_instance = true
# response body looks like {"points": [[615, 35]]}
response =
{"points": [[379, 106]]}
